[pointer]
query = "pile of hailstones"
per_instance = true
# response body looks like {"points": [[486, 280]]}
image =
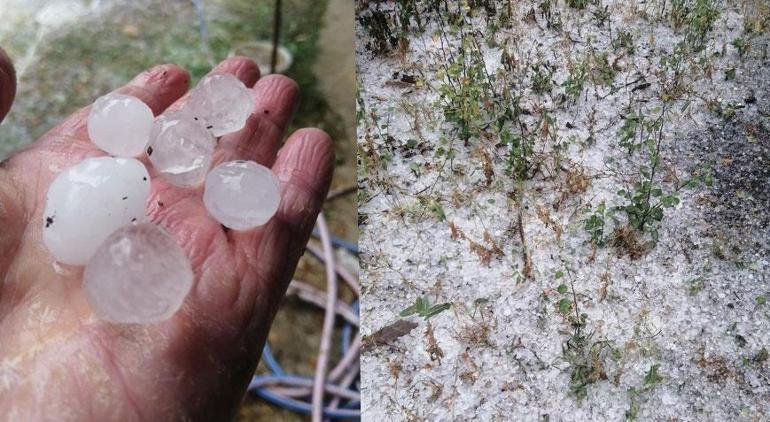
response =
{"points": [[95, 211]]}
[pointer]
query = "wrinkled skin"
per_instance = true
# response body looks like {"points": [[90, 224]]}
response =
{"points": [[57, 362]]}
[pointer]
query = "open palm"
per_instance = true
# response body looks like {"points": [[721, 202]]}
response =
{"points": [[58, 362]]}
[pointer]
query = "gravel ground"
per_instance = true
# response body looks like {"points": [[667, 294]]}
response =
{"points": [[678, 331]]}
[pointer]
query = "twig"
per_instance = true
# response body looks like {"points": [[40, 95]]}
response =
{"points": [[341, 192]]}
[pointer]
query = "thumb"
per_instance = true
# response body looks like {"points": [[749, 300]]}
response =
{"points": [[7, 84]]}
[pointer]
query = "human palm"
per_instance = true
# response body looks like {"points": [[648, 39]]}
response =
{"points": [[58, 362]]}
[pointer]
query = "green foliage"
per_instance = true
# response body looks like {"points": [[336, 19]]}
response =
{"points": [[700, 21], [578, 4], [603, 71], [644, 204], [636, 395], [377, 24], [625, 40], [742, 44], [573, 86], [437, 210], [519, 150], [695, 285], [584, 356], [627, 133], [652, 377], [698, 16], [541, 78], [595, 225], [424, 309], [465, 90]]}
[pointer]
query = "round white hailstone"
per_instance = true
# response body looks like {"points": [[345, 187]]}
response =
{"points": [[87, 202], [222, 102], [241, 194], [138, 275], [120, 125], [181, 149]]}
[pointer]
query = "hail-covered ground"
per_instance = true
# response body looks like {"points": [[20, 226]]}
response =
{"points": [[544, 322]]}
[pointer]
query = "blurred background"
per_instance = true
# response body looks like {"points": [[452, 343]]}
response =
{"points": [[69, 52]]}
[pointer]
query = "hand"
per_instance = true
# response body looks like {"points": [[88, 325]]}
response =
{"points": [[58, 362]]}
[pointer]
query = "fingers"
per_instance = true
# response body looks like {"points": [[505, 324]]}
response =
{"points": [[241, 67], [304, 167], [158, 87], [7, 84], [276, 100]]}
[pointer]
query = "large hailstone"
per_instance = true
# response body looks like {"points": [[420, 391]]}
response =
{"points": [[138, 275], [120, 125], [87, 202], [241, 194], [181, 149], [222, 102]]}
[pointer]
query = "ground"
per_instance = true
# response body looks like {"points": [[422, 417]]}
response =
{"points": [[68, 52], [572, 198]]}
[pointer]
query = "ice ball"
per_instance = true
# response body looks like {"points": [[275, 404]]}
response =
{"points": [[222, 102], [241, 194], [180, 149], [120, 125], [138, 275], [87, 202]]}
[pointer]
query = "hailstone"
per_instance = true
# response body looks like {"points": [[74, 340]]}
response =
{"points": [[138, 275], [120, 125], [241, 194], [180, 149], [222, 102], [87, 202]]}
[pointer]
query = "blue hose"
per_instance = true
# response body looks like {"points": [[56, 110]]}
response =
{"points": [[349, 410], [340, 243], [346, 412], [272, 364], [306, 408]]}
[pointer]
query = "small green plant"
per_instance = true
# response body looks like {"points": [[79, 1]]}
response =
{"points": [[695, 285], [573, 86], [678, 13], [743, 45], [465, 89], [583, 354], [627, 133], [700, 21], [604, 71], [520, 150], [644, 204], [595, 225], [424, 309], [578, 4], [541, 78], [378, 26], [625, 40], [651, 379], [601, 14]]}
